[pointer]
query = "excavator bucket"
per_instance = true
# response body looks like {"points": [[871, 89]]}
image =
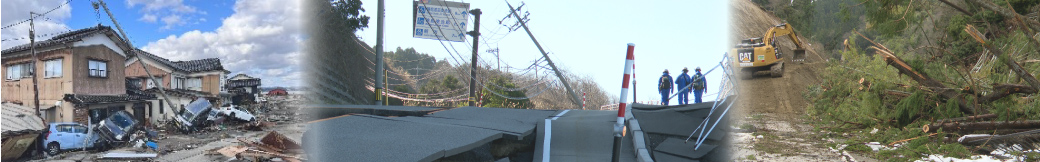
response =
{"points": [[799, 55]]}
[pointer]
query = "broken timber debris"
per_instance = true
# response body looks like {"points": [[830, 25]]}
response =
{"points": [[984, 125], [968, 118], [277, 140], [272, 145]]}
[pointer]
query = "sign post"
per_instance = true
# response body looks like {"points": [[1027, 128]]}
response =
{"points": [[440, 20]]}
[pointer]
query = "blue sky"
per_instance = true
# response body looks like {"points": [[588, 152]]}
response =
{"points": [[250, 36], [587, 37], [256, 37]]}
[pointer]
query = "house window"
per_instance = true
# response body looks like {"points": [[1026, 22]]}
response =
{"points": [[98, 68], [162, 108], [178, 83], [53, 68], [18, 71], [194, 84], [150, 84]]}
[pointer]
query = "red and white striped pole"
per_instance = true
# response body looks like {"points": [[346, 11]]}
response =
{"points": [[620, 125], [583, 100]]}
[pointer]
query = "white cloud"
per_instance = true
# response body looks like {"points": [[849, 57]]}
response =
{"points": [[156, 5], [171, 20], [173, 12], [149, 18], [15, 11], [261, 38]]}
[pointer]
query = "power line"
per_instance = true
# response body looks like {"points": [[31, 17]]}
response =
{"points": [[37, 36], [33, 17]]}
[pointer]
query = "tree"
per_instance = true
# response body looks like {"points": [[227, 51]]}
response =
{"points": [[350, 10], [490, 99]]}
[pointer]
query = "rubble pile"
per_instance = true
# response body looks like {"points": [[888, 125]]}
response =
{"points": [[272, 147], [215, 140]]}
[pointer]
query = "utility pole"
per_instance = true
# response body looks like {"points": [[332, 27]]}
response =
{"points": [[132, 52], [379, 52], [566, 85], [473, 62], [32, 69]]}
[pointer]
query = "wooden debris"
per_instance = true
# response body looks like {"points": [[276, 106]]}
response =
{"points": [[985, 125], [981, 139], [864, 83], [968, 118], [1004, 90], [232, 151], [1003, 57], [279, 141], [905, 140], [923, 79], [271, 146]]}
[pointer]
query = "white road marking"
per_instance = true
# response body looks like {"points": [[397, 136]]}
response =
{"points": [[548, 139], [561, 114]]}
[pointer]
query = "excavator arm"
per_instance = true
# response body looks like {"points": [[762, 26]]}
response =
{"points": [[786, 29], [781, 30]]}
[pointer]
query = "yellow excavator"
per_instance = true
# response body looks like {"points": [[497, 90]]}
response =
{"points": [[763, 53]]}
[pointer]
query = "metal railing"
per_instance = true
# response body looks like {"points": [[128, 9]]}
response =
{"points": [[724, 99]]}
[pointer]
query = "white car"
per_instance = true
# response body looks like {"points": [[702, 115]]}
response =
{"points": [[229, 110]]}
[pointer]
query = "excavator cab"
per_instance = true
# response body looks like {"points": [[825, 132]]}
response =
{"points": [[765, 54]]}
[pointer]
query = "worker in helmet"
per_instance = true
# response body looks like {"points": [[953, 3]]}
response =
{"points": [[664, 85], [682, 83], [699, 86]]}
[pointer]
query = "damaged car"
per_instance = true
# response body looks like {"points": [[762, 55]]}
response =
{"points": [[68, 136], [117, 127], [232, 112], [196, 115], [114, 130]]}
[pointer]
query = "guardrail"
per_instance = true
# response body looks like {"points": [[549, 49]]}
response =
{"points": [[728, 88]]}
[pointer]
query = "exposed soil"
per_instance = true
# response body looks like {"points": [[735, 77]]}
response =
{"points": [[771, 111]]}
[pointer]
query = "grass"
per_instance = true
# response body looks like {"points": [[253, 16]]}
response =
{"points": [[773, 144]]}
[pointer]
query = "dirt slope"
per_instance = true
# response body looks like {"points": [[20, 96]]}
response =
{"points": [[771, 111], [764, 94]]}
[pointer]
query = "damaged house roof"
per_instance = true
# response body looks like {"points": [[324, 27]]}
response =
{"points": [[18, 119], [179, 92], [69, 37], [255, 82], [208, 64], [96, 99], [133, 93], [200, 65]]}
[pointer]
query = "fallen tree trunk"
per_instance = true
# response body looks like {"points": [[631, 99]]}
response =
{"points": [[986, 125], [1010, 138], [968, 118], [1004, 90], [1003, 57], [948, 94]]}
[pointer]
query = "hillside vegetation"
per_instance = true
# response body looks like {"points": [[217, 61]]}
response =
{"points": [[898, 66]]}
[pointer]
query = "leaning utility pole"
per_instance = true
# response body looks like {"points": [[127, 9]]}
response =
{"points": [[32, 49], [566, 85], [132, 52], [379, 52], [473, 62]]}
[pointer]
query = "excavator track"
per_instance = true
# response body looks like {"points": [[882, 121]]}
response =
{"points": [[777, 70]]}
